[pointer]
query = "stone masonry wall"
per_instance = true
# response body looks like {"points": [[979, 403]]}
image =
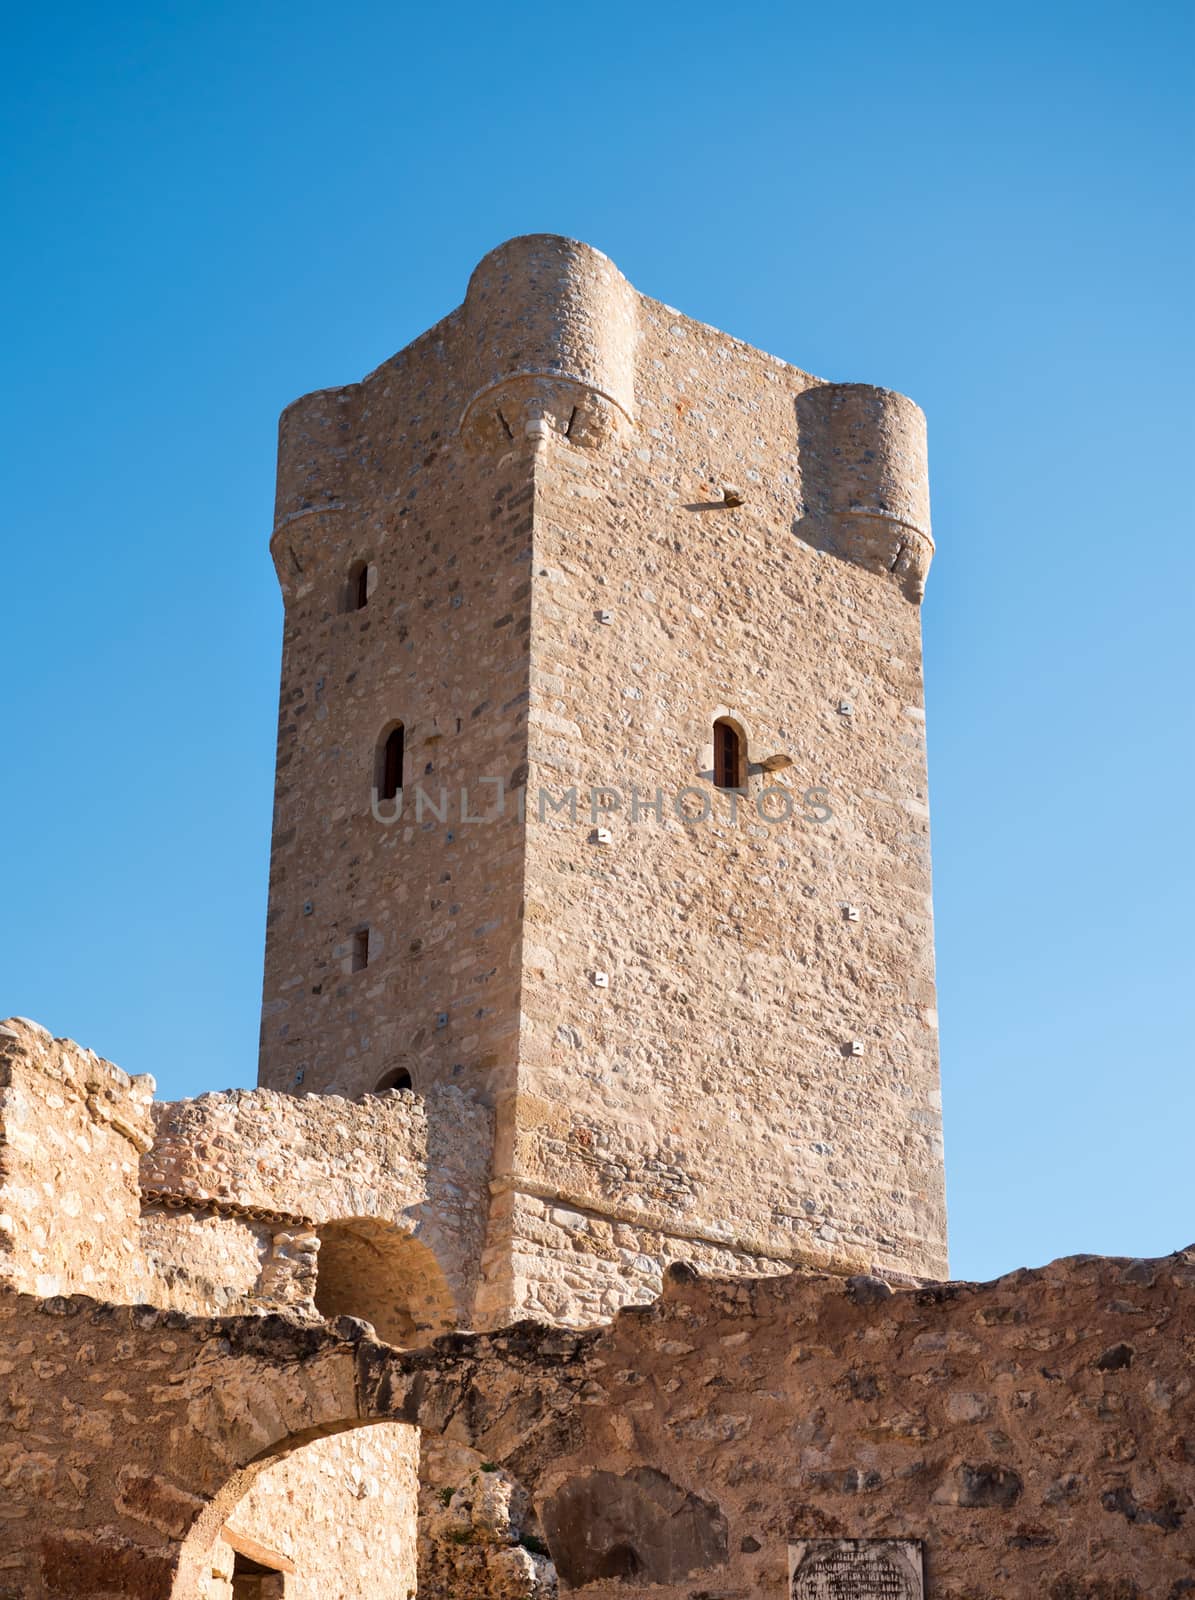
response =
{"points": [[227, 1214], [1034, 1436], [313, 1156], [373, 473], [72, 1129], [706, 1089], [205, 1262], [479, 1536], [226, 1208], [576, 1267]]}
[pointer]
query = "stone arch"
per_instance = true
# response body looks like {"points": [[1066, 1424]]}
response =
{"points": [[450, 1521], [259, 1392], [394, 1079], [339, 1511], [371, 1269]]}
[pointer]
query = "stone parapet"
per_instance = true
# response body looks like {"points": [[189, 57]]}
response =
{"points": [[314, 1157], [242, 1189]]}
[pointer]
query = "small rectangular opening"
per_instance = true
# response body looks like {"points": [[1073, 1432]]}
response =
{"points": [[258, 1573], [360, 955], [253, 1581]]}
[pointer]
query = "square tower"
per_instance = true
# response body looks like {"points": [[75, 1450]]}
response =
{"points": [[601, 785]]}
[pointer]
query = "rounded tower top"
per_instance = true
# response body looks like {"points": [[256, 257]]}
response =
{"points": [[560, 314], [864, 479]]}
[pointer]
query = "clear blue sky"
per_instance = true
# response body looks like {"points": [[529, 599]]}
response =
{"points": [[213, 209]]}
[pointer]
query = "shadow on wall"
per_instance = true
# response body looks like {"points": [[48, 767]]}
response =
{"points": [[372, 1270], [638, 1526]]}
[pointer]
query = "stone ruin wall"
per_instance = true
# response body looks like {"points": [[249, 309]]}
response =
{"points": [[479, 1534], [1036, 1434], [387, 1167], [221, 1205], [73, 1129], [1033, 1437]]}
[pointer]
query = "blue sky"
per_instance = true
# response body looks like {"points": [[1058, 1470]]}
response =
{"points": [[214, 209]]}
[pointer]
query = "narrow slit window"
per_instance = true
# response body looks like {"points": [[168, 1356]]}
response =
{"points": [[729, 764], [358, 590], [360, 952], [390, 773]]}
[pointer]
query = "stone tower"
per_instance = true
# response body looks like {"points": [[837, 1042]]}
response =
{"points": [[528, 564]]}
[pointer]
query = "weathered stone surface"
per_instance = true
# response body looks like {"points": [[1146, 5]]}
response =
{"points": [[690, 1442], [637, 1525], [72, 1130], [291, 1172], [237, 1193], [478, 1532]]}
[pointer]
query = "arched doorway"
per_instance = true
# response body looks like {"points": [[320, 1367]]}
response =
{"points": [[336, 1515], [370, 1269]]}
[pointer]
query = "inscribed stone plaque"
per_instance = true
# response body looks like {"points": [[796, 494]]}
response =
{"points": [[856, 1569]]}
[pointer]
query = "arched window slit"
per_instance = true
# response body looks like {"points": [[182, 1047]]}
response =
{"points": [[730, 756]]}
